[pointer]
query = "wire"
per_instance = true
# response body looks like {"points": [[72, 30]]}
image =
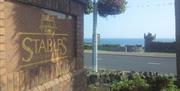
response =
{"points": [[146, 5]]}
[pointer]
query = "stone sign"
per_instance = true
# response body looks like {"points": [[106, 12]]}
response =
{"points": [[41, 45], [49, 43]]}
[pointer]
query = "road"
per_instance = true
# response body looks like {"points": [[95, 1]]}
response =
{"points": [[133, 63]]}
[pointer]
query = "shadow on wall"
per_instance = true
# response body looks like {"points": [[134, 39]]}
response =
{"points": [[26, 75]]}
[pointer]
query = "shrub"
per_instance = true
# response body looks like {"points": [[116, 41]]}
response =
{"points": [[107, 7], [111, 7], [131, 81], [134, 84], [87, 47]]}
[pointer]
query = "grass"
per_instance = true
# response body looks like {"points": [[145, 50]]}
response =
{"points": [[98, 88]]}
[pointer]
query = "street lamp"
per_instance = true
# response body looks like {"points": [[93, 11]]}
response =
{"points": [[116, 7], [94, 41]]}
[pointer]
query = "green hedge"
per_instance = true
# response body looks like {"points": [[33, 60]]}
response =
{"points": [[133, 81]]}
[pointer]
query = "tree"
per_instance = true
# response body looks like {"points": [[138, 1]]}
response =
{"points": [[107, 7], [89, 7]]}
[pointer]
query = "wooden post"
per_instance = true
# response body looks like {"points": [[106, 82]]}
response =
{"points": [[177, 13]]}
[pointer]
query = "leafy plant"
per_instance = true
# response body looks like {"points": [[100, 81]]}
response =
{"points": [[89, 7], [107, 7], [134, 84], [133, 81], [111, 7]]}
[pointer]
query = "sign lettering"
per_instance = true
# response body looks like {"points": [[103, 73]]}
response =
{"points": [[45, 45]]}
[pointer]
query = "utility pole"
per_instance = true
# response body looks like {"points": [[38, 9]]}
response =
{"points": [[94, 41]]}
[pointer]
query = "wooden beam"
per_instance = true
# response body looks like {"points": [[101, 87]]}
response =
{"points": [[177, 14]]}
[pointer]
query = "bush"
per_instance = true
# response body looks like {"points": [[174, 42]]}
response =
{"points": [[87, 47], [131, 81], [107, 7], [89, 7], [134, 84], [111, 7]]}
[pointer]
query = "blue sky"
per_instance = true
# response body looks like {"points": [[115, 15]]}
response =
{"points": [[141, 16]]}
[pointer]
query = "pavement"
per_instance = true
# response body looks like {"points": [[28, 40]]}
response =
{"points": [[144, 54]]}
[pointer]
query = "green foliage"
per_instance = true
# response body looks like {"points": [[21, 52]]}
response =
{"points": [[92, 79], [89, 7], [108, 47], [98, 88], [105, 47], [111, 7], [159, 83], [87, 47], [107, 7], [125, 81], [134, 84]]}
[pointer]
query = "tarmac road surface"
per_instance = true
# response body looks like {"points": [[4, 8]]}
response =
{"points": [[133, 63]]}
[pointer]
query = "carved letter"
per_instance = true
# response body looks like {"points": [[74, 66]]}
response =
{"points": [[49, 45], [27, 49], [62, 45], [42, 46], [36, 45]]}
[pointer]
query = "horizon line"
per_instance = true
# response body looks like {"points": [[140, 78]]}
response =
{"points": [[130, 38]]}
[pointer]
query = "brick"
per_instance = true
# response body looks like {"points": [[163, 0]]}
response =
{"points": [[46, 85], [1, 1], [2, 31], [2, 47], [2, 63], [1, 6], [61, 79], [2, 39], [2, 15], [56, 81], [35, 89], [51, 83], [3, 85], [2, 71], [2, 56], [41, 88], [16, 78], [2, 23], [10, 85]]}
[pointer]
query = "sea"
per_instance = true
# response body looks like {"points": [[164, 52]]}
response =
{"points": [[125, 41]]}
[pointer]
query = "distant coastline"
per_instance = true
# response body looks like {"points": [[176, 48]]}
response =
{"points": [[125, 41]]}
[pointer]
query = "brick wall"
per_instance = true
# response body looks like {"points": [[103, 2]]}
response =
{"points": [[3, 79], [43, 77], [177, 11]]}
